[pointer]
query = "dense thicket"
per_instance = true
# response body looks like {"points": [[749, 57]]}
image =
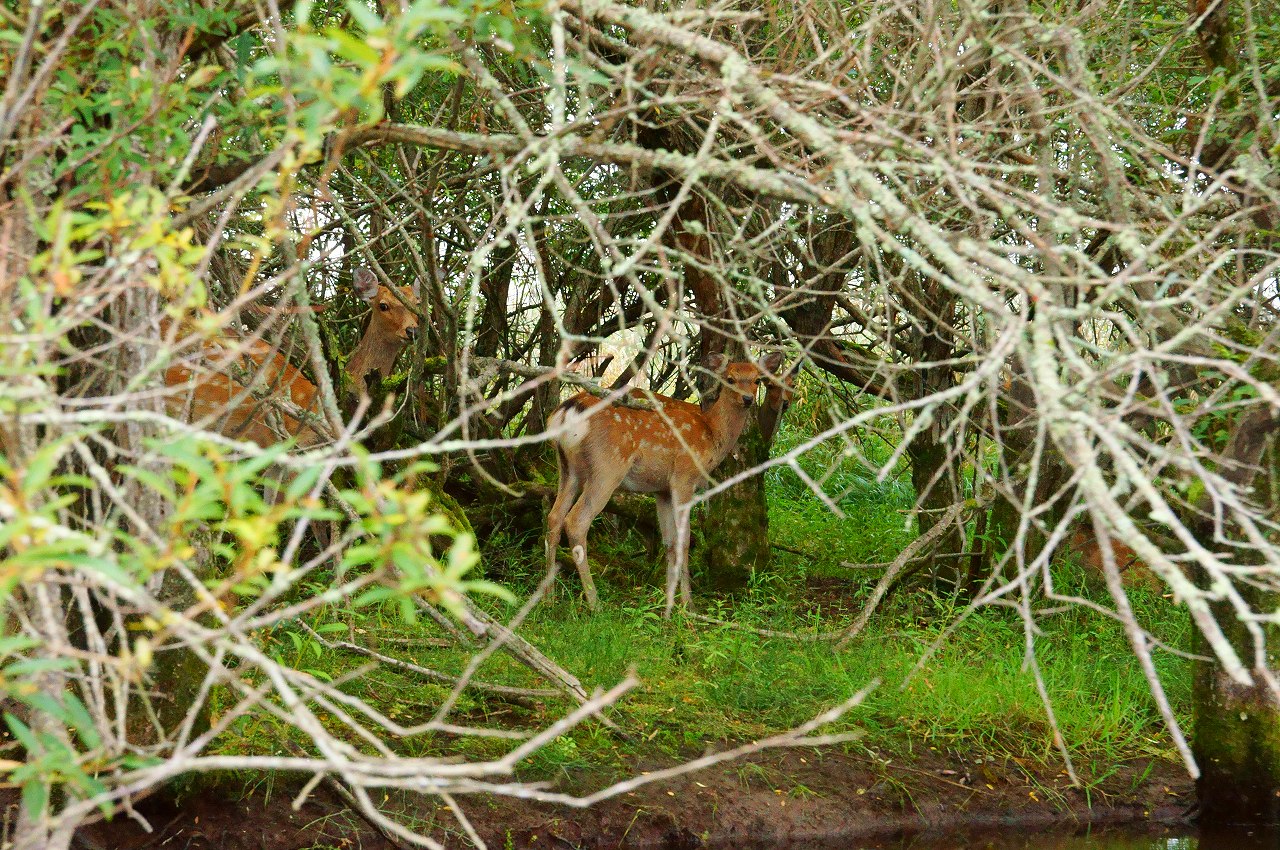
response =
{"points": [[1037, 240]]}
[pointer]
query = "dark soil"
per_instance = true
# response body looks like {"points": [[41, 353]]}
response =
{"points": [[775, 799]]}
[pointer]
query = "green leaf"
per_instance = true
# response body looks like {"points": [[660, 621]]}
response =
{"points": [[251, 588], [302, 12], [105, 567], [354, 49], [362, 554], [250, 467], [137, 762], [35, 794], [80, 720], [373, 595], [462, 555], [41, 465], [364, 16], [488, 587], [435, 12], [408, 611], [151, 480], [23, 733], [9, 644], [47, 705], [29, 667], [303, 482], [586, 74]]}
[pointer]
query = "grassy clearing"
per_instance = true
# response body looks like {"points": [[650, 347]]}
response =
{"points": [[710, 686], [707, 686]]}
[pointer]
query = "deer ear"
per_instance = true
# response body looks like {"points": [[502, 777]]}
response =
{"points": [[772, 362], [365, 283], [714, 362]]}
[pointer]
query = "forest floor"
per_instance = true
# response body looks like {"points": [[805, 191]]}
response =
{"points": [[963, 744], [956, 736], [786, 798]]}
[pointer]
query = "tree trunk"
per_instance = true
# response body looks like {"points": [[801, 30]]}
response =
{"points": [[935, 465], [1237, 736], [1017, 438], [1237, 727], [177, 674], [934, 474], [735, 523]]}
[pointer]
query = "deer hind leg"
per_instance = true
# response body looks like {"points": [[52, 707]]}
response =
{"points": [[670, 543], [597, 489], [570, 487]]}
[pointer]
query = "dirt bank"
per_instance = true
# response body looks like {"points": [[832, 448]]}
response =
{"points": [[776, 799]]}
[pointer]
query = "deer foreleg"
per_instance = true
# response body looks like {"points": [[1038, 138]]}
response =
{"points": [[686, 589], [673, 570], [667, 525]]}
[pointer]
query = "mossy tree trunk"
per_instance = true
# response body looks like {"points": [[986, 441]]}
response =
{"points": [[1237, 732], [935, 461], [936, 477], [1237, 726], [176, 677], [735, 524], [1017, 411]]}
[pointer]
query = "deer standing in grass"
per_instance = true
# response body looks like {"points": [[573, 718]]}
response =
{"points": [[669, 451], [229, 383]]}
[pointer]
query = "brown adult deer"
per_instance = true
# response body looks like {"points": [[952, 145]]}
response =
{"points": [[669, 451], [228, 384]]}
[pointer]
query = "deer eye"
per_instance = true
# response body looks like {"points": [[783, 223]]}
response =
{"points": [[384, 306]]}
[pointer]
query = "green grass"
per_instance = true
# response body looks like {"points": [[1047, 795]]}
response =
{"points": [[875, 527], [708, 686]]}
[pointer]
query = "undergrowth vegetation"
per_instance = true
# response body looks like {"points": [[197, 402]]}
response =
{"points": [[706, 686]]}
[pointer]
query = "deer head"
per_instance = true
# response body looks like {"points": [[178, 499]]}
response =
{"points": [[393, 324], [732, 395]]}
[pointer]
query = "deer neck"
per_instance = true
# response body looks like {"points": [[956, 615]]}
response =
{"points": [[727, 417], [373, 354]]}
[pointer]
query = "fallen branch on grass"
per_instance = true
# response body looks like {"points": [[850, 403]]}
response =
{"points": [[427, 672], [900, 563]]}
